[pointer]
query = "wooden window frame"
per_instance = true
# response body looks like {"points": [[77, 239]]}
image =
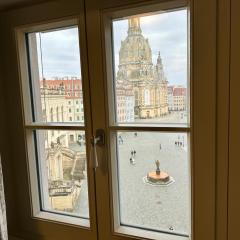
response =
{"points": [[108, 17], [203, 71], [204, 118]]}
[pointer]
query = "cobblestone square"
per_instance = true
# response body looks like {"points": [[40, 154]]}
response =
{"points": [[162, 208]]}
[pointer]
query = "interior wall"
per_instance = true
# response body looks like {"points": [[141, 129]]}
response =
{"points": [[5, 145]]}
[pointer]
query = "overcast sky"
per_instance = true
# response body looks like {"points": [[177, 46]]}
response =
{"points": [[166, 32]]}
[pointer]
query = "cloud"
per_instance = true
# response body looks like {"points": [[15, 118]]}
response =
{"points": [[166, 32], [60, 53]]}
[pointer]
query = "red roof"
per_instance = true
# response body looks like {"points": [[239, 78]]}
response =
{"points": [[71, 87], [65, 82], [179, 91]]}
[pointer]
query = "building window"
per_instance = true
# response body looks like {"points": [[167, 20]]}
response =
{"points": [[51, 114], [57, 114], [147, 97], [62, 112]]}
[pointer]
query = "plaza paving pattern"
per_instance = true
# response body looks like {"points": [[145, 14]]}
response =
{"points": [[162, 208]]}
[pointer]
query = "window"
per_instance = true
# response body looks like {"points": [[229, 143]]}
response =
{"points": [[62, 113], [151, 180], [60, 162], [129, 164], [57, 114], [146, 97]]}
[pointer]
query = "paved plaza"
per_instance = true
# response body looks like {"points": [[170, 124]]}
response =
{"points": [[162, 208]]}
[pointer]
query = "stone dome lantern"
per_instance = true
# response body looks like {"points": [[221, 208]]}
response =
{"points": [[135, 48]]}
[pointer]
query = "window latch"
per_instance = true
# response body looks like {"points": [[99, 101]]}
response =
{"points": [[97, 140]]}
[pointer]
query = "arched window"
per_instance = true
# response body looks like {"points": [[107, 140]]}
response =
{"points": [[51, 114], [62, 113], [147, 97], [57, 110]]}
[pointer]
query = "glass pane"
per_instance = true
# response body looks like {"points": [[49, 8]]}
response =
{"points": [[56, 81], [154, 187], [151, 68], [63, 171]]}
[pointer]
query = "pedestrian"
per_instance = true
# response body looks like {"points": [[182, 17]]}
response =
{"points": [[160, 146], [132, 161], [134, 153]]}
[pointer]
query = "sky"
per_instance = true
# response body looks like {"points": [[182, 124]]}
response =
{"points": [[166, 32]]}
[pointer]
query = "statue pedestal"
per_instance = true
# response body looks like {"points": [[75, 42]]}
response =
{"points": [[161, 177], [158, 179]]}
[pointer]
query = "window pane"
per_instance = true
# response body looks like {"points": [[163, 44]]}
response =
{"points": [[62, 169], [56, 75], [153, 174], [151, 68]]}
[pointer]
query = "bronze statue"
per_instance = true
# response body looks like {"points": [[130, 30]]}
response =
{"points": [[158, 167]]}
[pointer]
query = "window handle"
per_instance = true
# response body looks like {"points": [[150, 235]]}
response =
{"points": [[97, 140]]}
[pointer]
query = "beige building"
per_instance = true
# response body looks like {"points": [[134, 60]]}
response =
{"points": [[177, 98], [66, 168], [136, 69], [64, 152], [125, 102]]}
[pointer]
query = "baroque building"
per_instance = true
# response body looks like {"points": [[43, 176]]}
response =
{"points": [[64, 153], [137, 71]]}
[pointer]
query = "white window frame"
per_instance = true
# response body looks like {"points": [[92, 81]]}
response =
{"points": [[114, 126], [30, 125]]}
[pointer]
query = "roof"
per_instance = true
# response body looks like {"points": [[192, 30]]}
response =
{"points": [[177, 90]]}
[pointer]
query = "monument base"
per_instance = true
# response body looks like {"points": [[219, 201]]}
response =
{"points": [[166, 182]]}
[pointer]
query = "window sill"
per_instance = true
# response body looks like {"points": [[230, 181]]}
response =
{"points": [[71, 220], [148, 234]]}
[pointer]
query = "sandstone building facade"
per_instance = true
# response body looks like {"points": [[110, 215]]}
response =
{"points": [[137, 71]]}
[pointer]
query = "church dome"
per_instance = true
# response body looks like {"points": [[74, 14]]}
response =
{"points": [[135, 48]]}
